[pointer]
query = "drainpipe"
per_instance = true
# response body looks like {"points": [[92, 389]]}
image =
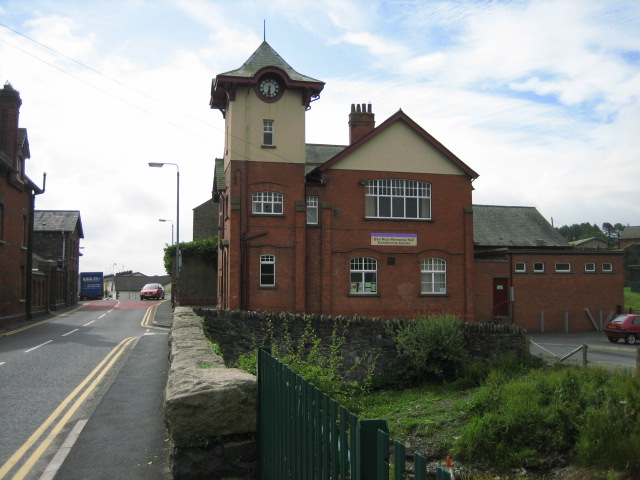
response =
{"points": [[32, 207]]}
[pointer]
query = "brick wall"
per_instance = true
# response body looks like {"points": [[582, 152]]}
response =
{"points": [[558, 295]]}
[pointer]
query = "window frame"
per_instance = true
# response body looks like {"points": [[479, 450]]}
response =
{"points": [[609, 269], [313, 206], [520, 270], [268, 133], [358, 266], [267, 260], [559, 270], [537, 269], [433, 273], [399, 197], [587, 268], [267, 197]]}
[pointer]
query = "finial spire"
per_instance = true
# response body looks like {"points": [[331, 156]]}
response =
{"points": [[264, 30]]}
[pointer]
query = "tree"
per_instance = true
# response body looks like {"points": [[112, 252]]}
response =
{"points": [[206, 249]]}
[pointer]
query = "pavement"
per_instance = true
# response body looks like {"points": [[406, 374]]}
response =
{"points": [[125, 436]]}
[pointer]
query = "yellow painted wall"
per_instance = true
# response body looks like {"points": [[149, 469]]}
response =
{"points": [[399, 149]]}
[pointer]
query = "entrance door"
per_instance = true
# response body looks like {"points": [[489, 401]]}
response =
{"points": [[500, 297]]}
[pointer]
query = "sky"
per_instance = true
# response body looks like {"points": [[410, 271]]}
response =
{"points": [[541, 98]]}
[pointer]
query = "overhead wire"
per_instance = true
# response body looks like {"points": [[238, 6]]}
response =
{"points": [[118, 82]]}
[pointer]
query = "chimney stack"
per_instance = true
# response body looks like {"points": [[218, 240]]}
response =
{"points": [[361, 121], [9, 112]]}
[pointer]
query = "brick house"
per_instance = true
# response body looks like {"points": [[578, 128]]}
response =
{"points": [[17, 198], [629, 236], [382, 227], [56, 241]]}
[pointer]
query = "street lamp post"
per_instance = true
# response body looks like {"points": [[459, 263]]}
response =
{"points": [[177, 279], [165, 220]]}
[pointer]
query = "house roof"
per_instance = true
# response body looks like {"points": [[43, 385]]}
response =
{"points": [[399, 116], [590, 240], [505, 226], [317, 154], [630, 233], [265, 56], [57, 221], [133, 283]]}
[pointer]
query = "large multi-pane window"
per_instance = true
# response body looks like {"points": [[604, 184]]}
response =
{"points": [[267, 203], [267, 133], [312, 210], [433, 276], [363, 275], [397, 198], [267, 270]]}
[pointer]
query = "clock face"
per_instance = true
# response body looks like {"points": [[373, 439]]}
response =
{"points": [[269, 88]]}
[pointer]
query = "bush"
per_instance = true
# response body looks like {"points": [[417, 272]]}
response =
{"points": [[432, 349], [552, 414]]}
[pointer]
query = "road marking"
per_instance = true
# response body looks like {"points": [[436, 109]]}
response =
{"points": [[41, 345], [41, 322], [149, 315], [103, 315], [2, 363], [87, 324], [65, 449], [69, 333], [99, 372]]}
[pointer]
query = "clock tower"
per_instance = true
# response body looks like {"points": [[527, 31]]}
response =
{"points": [[260, 182]]}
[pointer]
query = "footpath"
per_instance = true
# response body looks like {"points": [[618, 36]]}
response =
{"points": [[125, 436]]}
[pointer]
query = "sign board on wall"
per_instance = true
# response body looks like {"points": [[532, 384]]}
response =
{"points": [[395, 239]]}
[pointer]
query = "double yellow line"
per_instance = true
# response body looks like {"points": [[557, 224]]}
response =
{"points": [[82, 391], [147, 320]]}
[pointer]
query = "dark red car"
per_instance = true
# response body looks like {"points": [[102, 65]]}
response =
{"points": [[625, 326], [152, 290]]}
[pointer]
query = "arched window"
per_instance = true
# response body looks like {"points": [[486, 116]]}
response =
{"points": [[267, 270], [363, 276], [267, 203], [433, 276]]}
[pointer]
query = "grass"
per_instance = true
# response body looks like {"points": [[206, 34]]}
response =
{"points": [[631, 300]]}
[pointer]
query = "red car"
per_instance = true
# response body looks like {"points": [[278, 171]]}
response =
{"points": [[625, 326], [152, 290]]}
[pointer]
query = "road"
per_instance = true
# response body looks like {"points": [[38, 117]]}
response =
{"points": [[600, 351], [54, 373]]}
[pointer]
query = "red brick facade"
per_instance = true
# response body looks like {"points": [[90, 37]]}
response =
{"points": [[353, 261]]}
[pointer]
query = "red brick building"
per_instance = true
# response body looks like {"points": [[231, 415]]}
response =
{"points": [[17, 193], [383, 227]]}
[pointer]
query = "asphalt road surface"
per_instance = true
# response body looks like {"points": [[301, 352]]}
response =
{"points": [[81, 395]]}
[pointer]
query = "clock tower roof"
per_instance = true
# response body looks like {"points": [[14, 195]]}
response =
{"points": [[265, 56], [264, 61]]}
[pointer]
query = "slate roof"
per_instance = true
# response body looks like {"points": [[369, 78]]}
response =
{"points": [[134, 283], [504, 226], [266, 56], [57, 221], [630, 233], [218, 176], [317, 154]]}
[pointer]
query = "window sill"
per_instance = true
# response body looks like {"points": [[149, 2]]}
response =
{"points": [[267, 146], [434, 294], [367, 295], [267, 214], [267, 287]]}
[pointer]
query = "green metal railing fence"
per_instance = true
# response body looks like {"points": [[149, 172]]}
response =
{"points": [[303, 434]]}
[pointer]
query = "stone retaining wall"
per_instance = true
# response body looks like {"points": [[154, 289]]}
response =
{"points": [[210, 410], [367, 340]]}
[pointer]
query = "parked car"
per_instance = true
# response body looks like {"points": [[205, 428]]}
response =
{"points": [[625, 326], [152, 290]]}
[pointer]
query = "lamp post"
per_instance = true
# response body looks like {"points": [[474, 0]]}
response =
{"points": [[165, 220], [177, 279]]}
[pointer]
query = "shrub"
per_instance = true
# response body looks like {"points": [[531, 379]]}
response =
{"points": [[432, 349], [553, 413]]}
